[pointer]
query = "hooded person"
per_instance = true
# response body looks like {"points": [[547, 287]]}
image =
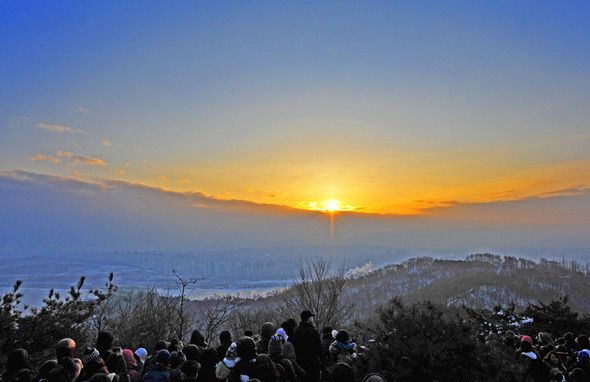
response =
{"points": [[17, 367], [224, 366], [93, 365], [150, 361], [113, 360], [252, 365], [267, 330], [161, 368], [131, 362], [225, 342], [275, 352], [208, 363], [197, 338], [191, 352]]}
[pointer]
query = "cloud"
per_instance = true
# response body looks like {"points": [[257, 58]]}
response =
{"points": [[574, 190], [186, 181], [59, 128], [41, 157], [83, 110], [82, 159], [107, 143], [120, 172]]}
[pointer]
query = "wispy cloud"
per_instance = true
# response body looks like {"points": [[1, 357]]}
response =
{"points": [[82, 159], [43, 158], [59, 128], [107, 143], [83, 110]]}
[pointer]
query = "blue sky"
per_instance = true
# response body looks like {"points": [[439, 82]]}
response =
{"points": [[386, 107]]}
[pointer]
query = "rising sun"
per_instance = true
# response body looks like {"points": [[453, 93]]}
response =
{"points": [[331, 205]]}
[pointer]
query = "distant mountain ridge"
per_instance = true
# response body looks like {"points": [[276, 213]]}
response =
{"points": [[479, 281]]}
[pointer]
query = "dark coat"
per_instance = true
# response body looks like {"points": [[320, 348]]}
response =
{"points": [[261, 367], [308, 348]]}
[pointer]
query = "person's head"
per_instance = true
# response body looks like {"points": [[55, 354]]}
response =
{"points": [[306, 315], [342, 336], [198, 338], [191, 351], [17, 359], [578, 375], [246, 348], [526, 346], [65, 348], [163, 357], [231, 356], [225, 337], [374, 377], [141, 354], [72, 368], [267, 330], [584, 356], [327, 332], [161, 344], [190, 369], [526, 339], [209, 358], [341, 372], [104, 342], [90, 354], [289, 326], [129, 358]]}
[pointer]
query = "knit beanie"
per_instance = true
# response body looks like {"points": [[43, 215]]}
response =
{"points": [[163, 357], [90, 354], [231, 356]]}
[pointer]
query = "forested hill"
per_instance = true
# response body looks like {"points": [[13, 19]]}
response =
{"points": [[481, 280]]}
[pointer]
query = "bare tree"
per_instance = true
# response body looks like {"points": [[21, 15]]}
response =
{"points": [[317, 287], [182, 284], [216, 313]]}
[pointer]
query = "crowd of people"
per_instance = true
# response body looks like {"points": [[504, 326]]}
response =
{"points": [[291, 352], [544, 358]]}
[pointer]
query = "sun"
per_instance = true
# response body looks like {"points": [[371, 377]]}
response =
{"points": [[331, 205]]}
